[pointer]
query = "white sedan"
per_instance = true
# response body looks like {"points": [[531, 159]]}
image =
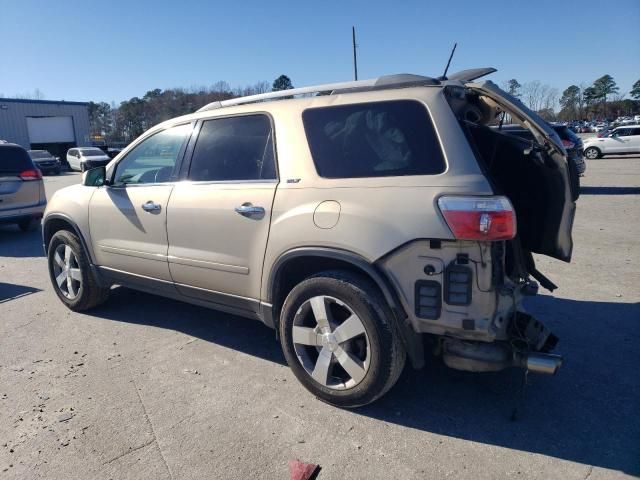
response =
{"points": [[624, 139]]}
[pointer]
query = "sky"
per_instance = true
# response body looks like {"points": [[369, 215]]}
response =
{"points": [[113, 50]]}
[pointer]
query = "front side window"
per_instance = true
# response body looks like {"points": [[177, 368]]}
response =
{"points": [[234, 148], [154, 159], [378, 139]]}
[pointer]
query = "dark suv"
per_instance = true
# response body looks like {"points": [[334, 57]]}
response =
{"points": [[572, 143]]}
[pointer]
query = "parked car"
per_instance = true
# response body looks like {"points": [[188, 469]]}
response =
{"points": [[22, 196], [571, 142], [46, 162], [621, 140], [82, 159], [387, 211], [113, 151]]}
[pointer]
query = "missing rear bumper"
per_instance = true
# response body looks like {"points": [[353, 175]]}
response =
{"points": [[528, 348]]}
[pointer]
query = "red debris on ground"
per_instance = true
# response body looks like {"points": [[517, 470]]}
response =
{"points": [[302, 471]]}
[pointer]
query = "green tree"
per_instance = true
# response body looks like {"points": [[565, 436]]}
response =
{"points": [[513, 87], [635, 90], [569, 101], [281, 83], [100, 118], [605, 86]]}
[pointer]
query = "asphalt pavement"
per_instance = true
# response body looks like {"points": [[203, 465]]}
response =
{"points": [[150, 388]]}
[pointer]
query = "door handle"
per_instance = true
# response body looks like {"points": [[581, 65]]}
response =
{"points": [[249, 210], [151, 206]]}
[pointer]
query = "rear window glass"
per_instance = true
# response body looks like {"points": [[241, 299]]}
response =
{"points": [[565, 133], [378, 139], [38, 154], [14, 159], [94, 152]]}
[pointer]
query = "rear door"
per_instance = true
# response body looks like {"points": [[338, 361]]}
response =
{"points": [[556, 240], [127, 218], [19, 180], [218, 219]]}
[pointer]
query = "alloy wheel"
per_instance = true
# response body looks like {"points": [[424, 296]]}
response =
{"points": [[591, 153], [331, 342], [66, 271]]}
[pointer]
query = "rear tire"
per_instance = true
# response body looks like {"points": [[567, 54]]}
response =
{"points": [[359, 366], [592, 153], [71, 275]]}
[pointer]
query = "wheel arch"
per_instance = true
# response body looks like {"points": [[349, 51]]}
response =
{"points": [[58, 221], [297, 264]]}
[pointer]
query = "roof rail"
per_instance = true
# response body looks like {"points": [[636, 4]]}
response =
{"points": [[387, 81]]}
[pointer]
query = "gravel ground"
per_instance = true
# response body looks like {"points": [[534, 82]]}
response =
{"points": [[146, 387]]}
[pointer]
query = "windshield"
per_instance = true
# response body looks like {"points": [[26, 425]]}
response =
{"points": [[92, 152], [36, 154]]}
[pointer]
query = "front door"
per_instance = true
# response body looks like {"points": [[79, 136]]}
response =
{"points": [[127, 218], [218, 219]]}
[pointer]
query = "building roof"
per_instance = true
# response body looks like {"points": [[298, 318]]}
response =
{"points": [[50, 102]]}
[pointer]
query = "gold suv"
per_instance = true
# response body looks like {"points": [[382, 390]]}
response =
{"points": [[361, 220]]}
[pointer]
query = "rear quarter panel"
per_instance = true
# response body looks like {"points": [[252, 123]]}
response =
{"points": [[377, 215]]}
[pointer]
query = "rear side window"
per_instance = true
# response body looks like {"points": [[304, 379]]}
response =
{"points": [[234, 148], [14, 160], [378, 139]]}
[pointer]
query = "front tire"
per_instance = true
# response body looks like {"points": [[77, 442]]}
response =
{"points": [[339, 339], [71, 275], [592, 153]]}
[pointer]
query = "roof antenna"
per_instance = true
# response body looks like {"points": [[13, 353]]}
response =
{"points": [[444, 75]]}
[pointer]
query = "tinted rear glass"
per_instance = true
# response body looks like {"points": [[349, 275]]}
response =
{"points": [[38, 154], [565, 133], [14, 159], [95, 152], [378, 139]]}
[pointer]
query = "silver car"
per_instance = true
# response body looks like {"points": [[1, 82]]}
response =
{"points": [[22, 196], [357, 219]]}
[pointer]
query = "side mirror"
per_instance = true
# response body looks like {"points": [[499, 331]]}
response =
{"points": [[96, 177]]}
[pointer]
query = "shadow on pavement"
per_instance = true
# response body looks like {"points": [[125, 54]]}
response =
{"points": [[11, 291], [245, 335], [610, 190], [15, 243], [587, 413]]}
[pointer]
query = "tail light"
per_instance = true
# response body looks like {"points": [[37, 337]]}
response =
{"points": [[568, 144], [32, 174], [479, 218]]}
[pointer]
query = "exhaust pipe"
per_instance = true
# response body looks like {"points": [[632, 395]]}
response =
{"points": [[546, 363], [493, 357]]}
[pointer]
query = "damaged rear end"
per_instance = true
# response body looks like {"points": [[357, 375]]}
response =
{"points": [[471, 297]]}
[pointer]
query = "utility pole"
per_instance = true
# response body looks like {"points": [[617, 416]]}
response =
{"points": [[355, 57]]}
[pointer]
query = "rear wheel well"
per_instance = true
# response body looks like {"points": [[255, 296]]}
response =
{"points": [[296, 269], [291, 271]]}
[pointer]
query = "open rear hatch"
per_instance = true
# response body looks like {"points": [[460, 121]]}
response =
{"points": [[535, 176]]}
